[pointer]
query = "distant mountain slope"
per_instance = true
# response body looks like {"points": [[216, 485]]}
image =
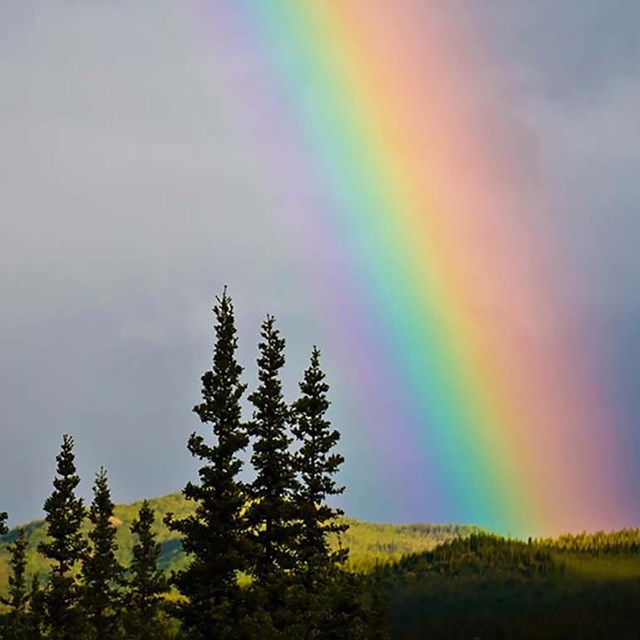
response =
{"points": [[369, 543]]}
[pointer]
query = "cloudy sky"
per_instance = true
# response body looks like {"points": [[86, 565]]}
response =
{"points": [[126, 204]]}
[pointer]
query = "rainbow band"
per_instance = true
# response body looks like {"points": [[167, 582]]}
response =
{"points": [[472, 355]]}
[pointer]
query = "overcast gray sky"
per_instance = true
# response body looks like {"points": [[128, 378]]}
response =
{"points": [[126, 203]]}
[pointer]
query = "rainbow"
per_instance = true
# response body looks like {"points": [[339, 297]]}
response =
{"points": [[465, 356]]}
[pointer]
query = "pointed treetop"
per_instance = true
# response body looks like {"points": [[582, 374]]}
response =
{"points": [[101, 571], [66, 459], [102, 506], [64, 512]]}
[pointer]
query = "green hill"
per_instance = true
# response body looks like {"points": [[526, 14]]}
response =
{"points": [[370, 544], [584, 587], [457, 582]]}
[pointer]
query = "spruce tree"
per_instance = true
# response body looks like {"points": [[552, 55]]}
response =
{"points": [[318, 566], [3, 526], [18, 624], [37, 609], [147, 582], [65, 547], [214, 537], [316, 463], [271, 511], [18, 595], [101, 572]]}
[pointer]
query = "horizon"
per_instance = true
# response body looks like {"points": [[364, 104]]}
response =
{"points": [[13, 526]]}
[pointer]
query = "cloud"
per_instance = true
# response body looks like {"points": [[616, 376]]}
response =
{"points": [[128, 199]]}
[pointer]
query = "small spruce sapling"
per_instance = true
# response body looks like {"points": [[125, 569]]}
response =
{"points": [[18, 595]]}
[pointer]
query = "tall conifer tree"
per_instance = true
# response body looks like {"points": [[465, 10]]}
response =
{"points": [[271, 512], [65, 547], [317, 568], [317, 464], [214, 537], [101, 571], [147, 583], [3, 526]]}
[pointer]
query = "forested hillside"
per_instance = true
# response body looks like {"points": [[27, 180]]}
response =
{"points": [[454, 582], [584, 587], [369, 543]]}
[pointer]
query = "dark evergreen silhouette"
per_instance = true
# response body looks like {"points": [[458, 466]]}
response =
{"points": [[18, 595], [36, 609], [3, 526], [318, 564], [316, 463], [147, 583], [271, 511], [215, 536], [101, 572], [65, 548], [17, 623]]}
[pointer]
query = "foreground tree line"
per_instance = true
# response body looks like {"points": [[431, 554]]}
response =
{"points": [[261, 563]]}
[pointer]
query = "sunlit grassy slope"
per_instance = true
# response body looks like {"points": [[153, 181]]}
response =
{"points": [[583, 587], [369, 543]]}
